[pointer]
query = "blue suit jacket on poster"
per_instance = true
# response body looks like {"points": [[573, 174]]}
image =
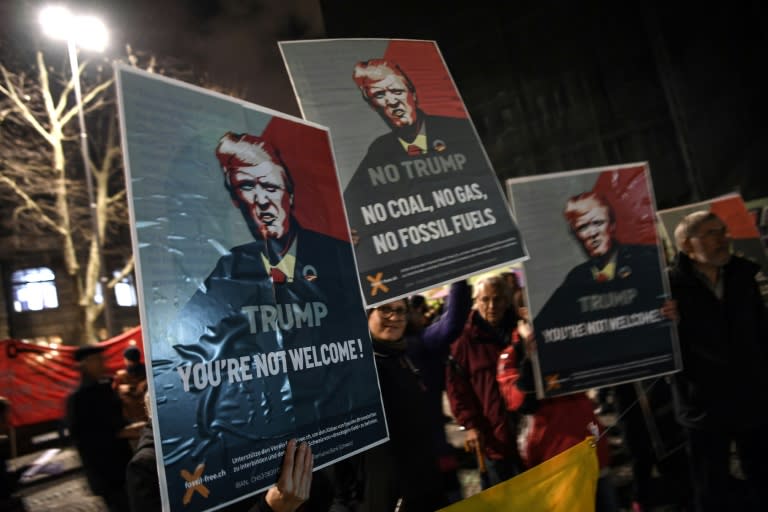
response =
{"points": [[214, 326]]}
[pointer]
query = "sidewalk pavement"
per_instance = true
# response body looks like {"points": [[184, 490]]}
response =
{"points": [[59, 485], [67, 490]]}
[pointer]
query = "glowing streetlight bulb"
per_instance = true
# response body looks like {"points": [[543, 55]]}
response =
{"points": [[56, 20], [90, 33], [85, 31]]}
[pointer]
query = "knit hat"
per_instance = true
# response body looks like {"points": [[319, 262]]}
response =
{"points": [[86, 351], [132, 354]]}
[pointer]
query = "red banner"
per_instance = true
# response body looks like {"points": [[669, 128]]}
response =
{"points": [[37, 379]]}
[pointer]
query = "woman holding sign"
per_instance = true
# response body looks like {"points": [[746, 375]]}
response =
{"points": [[403, 473]]}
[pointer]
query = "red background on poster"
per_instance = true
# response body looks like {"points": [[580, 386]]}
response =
{"points": [[734, 213], [627, 192], [422, 63], [306, 151]]}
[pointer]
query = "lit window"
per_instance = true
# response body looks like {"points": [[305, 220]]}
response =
{"points": [[34, 289], [98, 297], [125, 292]]}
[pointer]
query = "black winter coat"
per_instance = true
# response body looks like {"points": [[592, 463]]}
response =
{"points": [[95, 418], [406, 466], [724, 345], [141, 480]]}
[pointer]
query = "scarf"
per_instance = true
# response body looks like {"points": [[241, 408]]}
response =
{"points": [[389, 348]]}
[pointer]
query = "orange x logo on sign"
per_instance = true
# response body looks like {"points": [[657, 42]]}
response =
{"points": [[553, 381], [194, 482], [376, 284]]}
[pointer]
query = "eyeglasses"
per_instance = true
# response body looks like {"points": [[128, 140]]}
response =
{"points": [[712, 233], [389, 311]]}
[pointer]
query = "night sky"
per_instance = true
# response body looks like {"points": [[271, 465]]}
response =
{"points": [[232, 42], [715, 61]]}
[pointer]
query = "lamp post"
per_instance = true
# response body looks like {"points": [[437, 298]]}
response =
{"points": [[87, 32]]}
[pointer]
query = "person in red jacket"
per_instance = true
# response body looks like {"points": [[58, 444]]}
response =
{"points": [[471, 384], [552, 425]]}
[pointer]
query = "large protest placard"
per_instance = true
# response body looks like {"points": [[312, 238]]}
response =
{"points": [[250, 305], [742, 230], [758, 209], [595, 280], [419, 189]]}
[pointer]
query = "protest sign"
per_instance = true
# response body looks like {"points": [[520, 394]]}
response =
{"points": [[742, 229], [595, 280], [251, 310], [419, 189], [758, 209]]}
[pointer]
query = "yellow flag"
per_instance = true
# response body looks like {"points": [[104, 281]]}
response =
{"points": [[564, 483]]}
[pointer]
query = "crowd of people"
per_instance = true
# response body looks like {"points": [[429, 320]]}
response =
{"points": [[477, 347]]}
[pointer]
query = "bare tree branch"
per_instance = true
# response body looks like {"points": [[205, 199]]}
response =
{"points": [[30, 204], [20, 107], [117, 197], [125, 271], [87, 98], [69, 85], [42, 183]]}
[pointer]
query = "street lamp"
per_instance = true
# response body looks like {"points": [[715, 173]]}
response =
{"points": [[87, 32]]}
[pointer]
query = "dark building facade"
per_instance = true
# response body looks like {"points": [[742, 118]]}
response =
{"points": [[561, 85], [64, 322]]}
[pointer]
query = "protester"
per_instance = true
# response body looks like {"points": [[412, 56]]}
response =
{"points": [[429, 347], [418, 314], [130, 383], [552, 425], [293, 485], [471, 384], [516, 293], [141, 478], [98, 429], [8, 479], [401, 474], [654, 440], [720, 395]]}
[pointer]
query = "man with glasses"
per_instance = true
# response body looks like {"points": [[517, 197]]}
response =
{"points": [[720, 396]]}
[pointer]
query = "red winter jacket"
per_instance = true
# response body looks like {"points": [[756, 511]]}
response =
{"points": [[472, 389], [554, 424]]}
